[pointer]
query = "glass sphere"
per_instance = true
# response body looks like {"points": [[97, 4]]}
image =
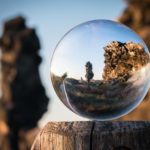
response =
{"points": [[101, 70]]}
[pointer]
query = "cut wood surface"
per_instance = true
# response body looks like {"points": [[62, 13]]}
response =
{"points": [[94, 136]]}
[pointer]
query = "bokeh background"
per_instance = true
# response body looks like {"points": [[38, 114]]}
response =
{"points": [[51, 19]]}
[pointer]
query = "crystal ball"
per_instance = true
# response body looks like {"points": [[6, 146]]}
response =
{"points": [[101, 70]]}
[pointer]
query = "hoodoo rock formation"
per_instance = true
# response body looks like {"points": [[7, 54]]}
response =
{"points": [[23, 99]]}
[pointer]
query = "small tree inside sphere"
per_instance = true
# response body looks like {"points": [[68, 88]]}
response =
{"points": [[89, 73]]}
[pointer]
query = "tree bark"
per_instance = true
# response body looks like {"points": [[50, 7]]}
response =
{"points": [[94, 136]]}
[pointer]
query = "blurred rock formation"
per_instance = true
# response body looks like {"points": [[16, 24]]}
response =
{"points": [[23, 99], [137, 17]]}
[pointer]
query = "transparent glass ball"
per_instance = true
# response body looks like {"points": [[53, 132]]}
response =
{"points": [[101, 70]]}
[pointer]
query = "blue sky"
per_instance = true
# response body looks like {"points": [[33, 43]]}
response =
{"points": [[52, 19]]}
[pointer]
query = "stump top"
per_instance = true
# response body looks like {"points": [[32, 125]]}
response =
{"points": [[132, 135]]}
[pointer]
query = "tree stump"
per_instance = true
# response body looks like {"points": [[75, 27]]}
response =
{"points": [[94, 136]]}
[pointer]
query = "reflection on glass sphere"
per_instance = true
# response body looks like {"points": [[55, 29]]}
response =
{"points": [[100, 70]]}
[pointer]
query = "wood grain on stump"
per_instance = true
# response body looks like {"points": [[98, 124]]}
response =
{"points": [[94, 136]]}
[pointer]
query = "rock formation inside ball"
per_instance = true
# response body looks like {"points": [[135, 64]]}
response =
{"points": [[123, 59]]}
